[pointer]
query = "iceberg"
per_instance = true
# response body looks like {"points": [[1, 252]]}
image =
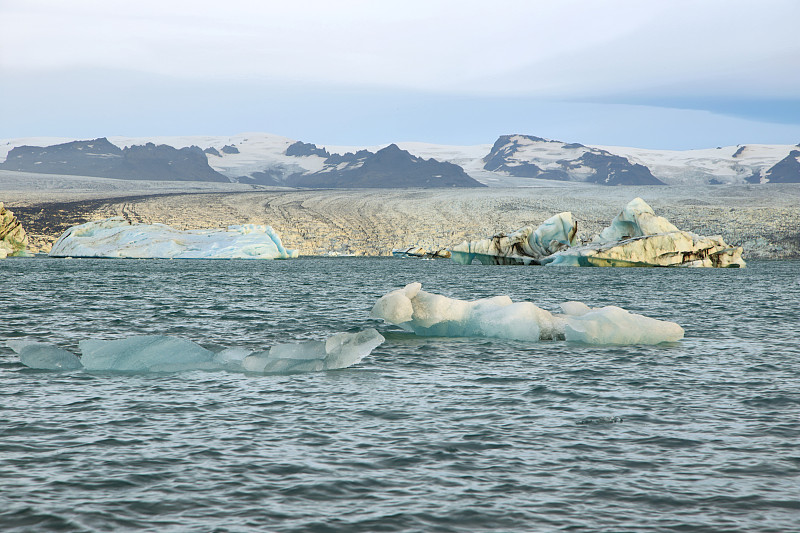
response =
{"points": [[116, 237], [341, 350], [428, 314], [527, 245], [145, 353], [636, 237], [160, 353], [44, 356]]}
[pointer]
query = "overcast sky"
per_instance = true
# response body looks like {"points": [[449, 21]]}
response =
{"points": [[661, 74]]}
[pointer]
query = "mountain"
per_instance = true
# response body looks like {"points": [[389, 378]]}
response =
{"points": [[511, 161], [787, 170], [526, 156], [386, 168], [101, 158]]}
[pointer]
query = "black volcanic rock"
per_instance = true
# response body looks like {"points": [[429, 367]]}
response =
{"points": [[787, 170], [388, 168], [578, 163], [102, 159], [301, 149], [213, 151], [612, 169], [230, 149]]}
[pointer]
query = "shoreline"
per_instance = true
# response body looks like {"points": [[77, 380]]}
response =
{"points": [[764, 219]]}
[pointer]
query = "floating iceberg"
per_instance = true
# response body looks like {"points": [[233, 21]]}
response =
{"points": [[525, 246], [44, 356], [158, 353], [636, 237], [116, 237], [338, 351], [428, 314]]}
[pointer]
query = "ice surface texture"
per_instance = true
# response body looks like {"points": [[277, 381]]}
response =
{"points": [[116, 237], [434, 315], [636, 237], [157, 353]]}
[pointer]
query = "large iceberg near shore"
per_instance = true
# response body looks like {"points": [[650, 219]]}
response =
{"points": [[527, 245], [116, 237], [429, 314], [159, 353], [636, 237]]}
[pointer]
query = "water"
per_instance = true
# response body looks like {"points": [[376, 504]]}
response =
{"points": [[426, 434]]}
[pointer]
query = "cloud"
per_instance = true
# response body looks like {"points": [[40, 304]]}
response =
{"points": [[545, 48]]}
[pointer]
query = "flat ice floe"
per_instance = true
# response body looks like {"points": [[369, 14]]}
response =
{"points": [[636, 237], [429, 314], [159, 353], [115, 237]]}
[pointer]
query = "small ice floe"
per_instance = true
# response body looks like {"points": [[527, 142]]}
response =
{"points": [[116, 237], [44, 356], [158, 353], [429, 314]]}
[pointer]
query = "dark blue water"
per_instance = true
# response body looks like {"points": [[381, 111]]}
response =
{"points": [[426, 434]]}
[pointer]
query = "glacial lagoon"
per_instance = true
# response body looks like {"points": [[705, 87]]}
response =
{"points": [[424, 433]]}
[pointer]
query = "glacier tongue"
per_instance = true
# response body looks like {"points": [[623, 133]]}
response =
{"points": [[424, 313], [116, 237]]}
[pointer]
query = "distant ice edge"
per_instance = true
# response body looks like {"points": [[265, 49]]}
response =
{"points": [[160, 353], [429, 314]]}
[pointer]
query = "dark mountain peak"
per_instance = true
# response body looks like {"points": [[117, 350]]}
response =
{"points": [[301, 149]]}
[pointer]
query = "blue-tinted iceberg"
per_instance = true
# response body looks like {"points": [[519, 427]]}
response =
{"points": [[158, 353], [116, 237], [146, 353], [424, 313], [338, 351], [44, 356]]}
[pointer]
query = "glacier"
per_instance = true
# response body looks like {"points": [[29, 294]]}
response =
{"points": [[115, 237], [161, 353], [429, 314], [636, 237]]}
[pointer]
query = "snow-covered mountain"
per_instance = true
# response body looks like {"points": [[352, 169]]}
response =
{"points": [[512, 161]]}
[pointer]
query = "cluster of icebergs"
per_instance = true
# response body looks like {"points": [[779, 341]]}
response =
{"points": [[116, 237], [411, 308], [636, 237]]}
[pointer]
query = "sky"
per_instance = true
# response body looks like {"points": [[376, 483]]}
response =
{"points": [[668, 74]]}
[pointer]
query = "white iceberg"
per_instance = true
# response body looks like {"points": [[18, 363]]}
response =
{"points": [[44, 356], [636, 237], [116, 237], [526, 246], [341, 350], [428, 314]]}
